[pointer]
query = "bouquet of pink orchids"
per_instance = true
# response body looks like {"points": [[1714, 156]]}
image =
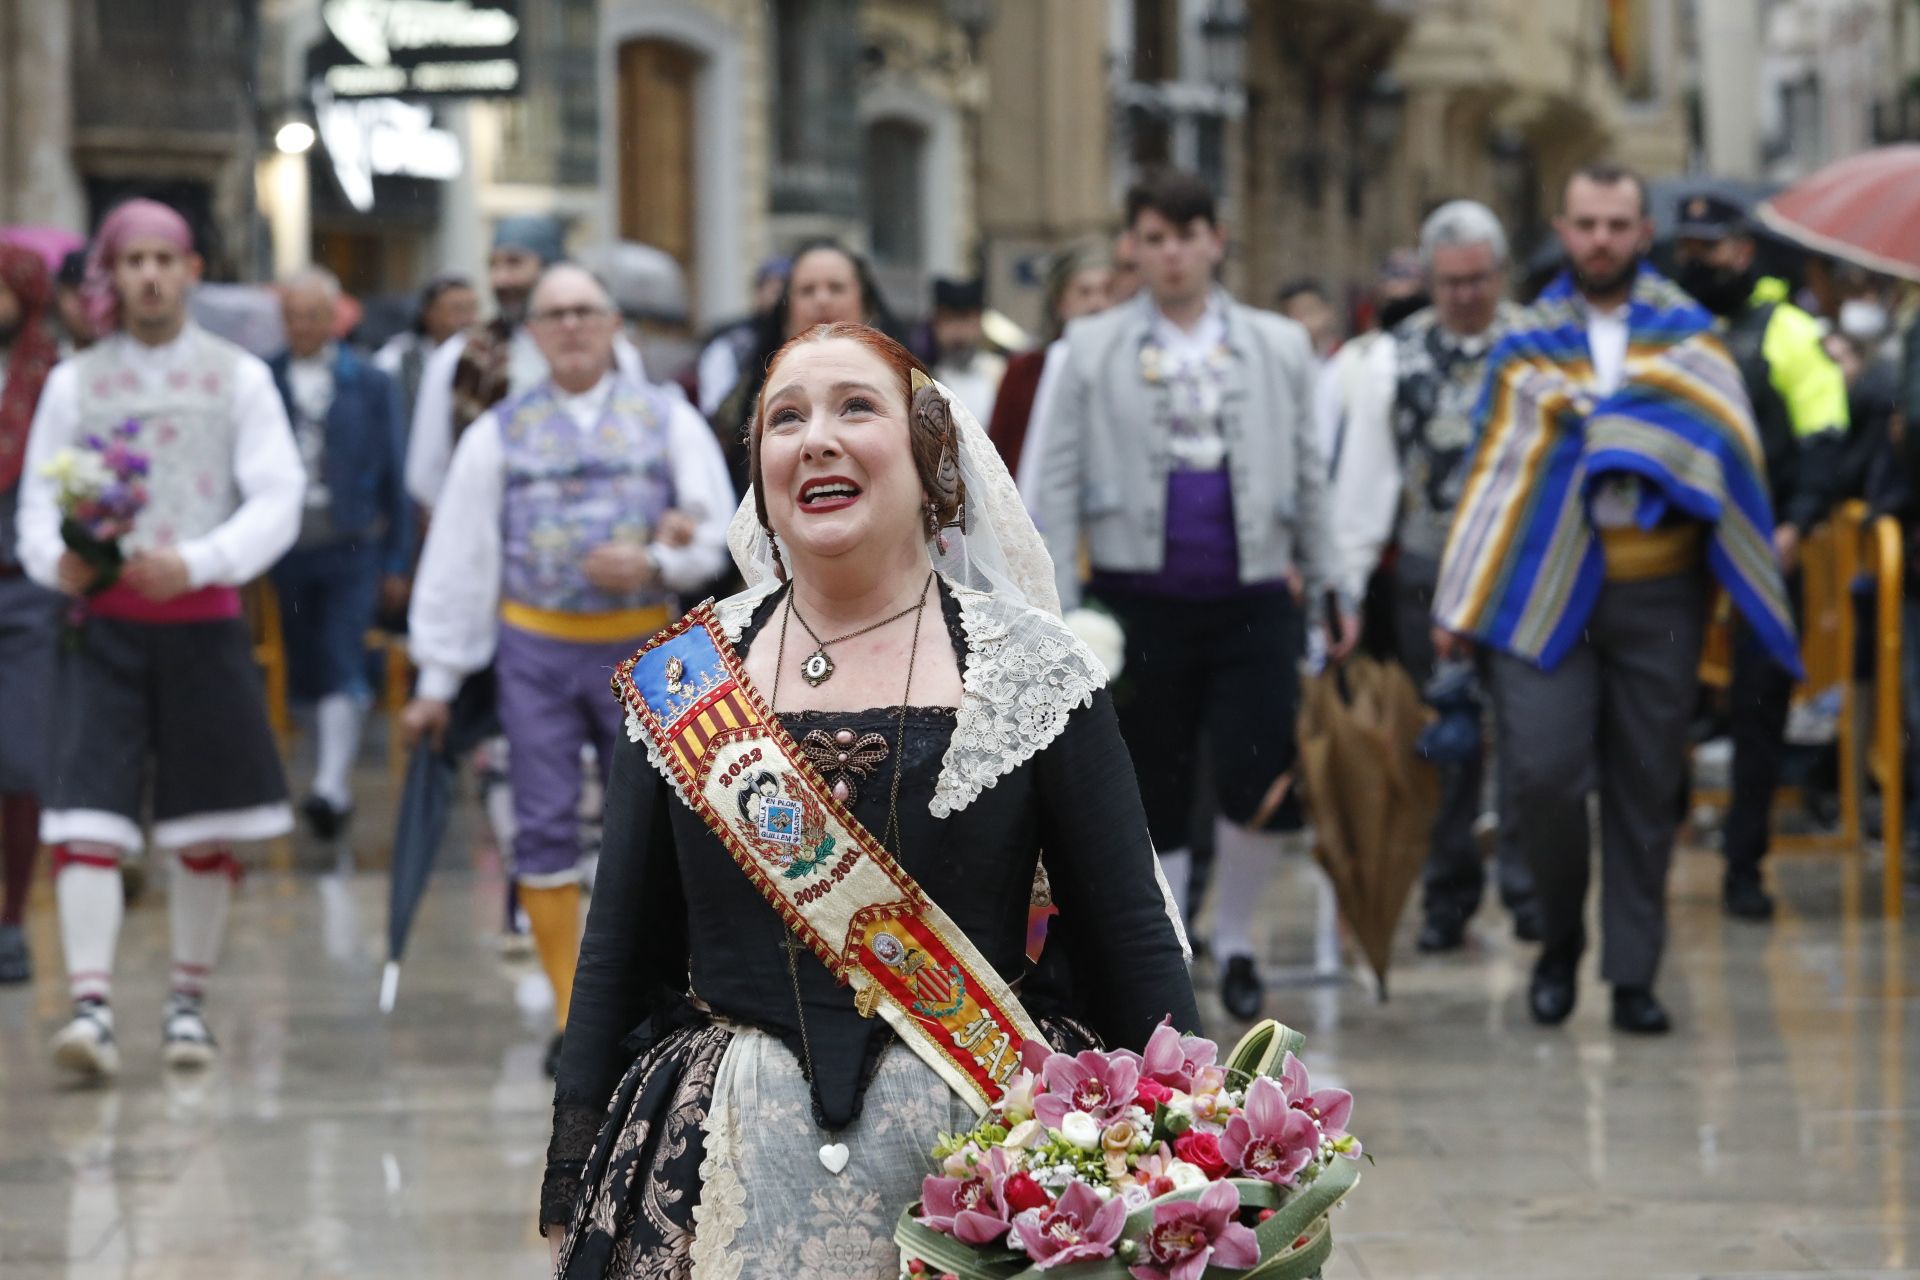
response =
{"points": [[1167, 1165]]}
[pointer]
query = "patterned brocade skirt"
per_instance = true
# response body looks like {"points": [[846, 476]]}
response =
{"points": [[708, 1168]]}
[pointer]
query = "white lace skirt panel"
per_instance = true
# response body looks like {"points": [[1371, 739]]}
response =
{"points": [[768, 1207]]}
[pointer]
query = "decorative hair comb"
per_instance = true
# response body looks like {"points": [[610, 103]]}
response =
{"points": [[919, 380]]}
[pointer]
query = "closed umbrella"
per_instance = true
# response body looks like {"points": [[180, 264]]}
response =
{"points": [[1865, 209], [425, 805], [1370, 796]]}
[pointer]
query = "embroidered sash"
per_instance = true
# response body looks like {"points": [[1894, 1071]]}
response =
{"points": [[828, 877]]}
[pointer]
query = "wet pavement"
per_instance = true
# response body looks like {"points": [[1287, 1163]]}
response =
{"points": [[1777, 1133]]}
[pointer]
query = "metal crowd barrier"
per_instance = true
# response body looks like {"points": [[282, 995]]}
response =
{"points": [[1831, 561]]}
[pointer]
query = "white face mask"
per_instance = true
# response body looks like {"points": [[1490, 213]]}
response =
{"points": [[1863, 318]]}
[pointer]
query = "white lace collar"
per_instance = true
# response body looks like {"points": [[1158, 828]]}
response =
{"points": [[1025, 674]]}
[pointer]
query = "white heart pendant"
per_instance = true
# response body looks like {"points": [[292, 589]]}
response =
{"points": [[835, 1156]]}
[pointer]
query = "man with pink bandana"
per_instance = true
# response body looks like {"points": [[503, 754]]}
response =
{"points": [[161, 683]]}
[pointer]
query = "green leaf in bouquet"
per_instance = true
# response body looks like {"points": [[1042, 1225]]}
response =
{"points": [[944, 1254], [1262, 1051], [1169, 1124]]}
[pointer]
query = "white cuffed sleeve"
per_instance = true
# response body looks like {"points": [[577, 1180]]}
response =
{"points": [[430, 440], [701, 489], [453, 622]]}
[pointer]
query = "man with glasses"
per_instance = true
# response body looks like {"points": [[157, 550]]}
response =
{"points": [[550, 555], [1396, 484]]}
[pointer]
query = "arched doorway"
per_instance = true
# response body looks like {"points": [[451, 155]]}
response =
{"points": [[657, 157]]}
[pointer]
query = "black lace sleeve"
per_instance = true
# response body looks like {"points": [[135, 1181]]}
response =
{"points": [[633, 965], [1126, 961], [574, 1129]]}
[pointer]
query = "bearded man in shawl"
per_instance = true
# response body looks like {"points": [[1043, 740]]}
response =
{"points": [[162, 714], [29, 613], [1618, 473]]}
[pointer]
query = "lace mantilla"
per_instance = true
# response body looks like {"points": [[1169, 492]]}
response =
{"points": [[1026, 673]]}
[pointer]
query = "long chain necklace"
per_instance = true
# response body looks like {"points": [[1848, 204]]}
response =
{"points": [[817, 668], [834, 1153]]}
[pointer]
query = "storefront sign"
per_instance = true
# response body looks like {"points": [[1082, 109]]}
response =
{"points": [[383, 137], [418, 48]]}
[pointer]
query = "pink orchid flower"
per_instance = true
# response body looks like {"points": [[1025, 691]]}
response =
{"points": [[1188, 1236], [972, 1210], [1077, 1228], [1269, 1139], [1099, 1084], [1173, 1059], [1329, 1108]]}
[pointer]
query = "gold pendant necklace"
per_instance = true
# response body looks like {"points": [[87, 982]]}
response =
{"points": [[817, 668]]}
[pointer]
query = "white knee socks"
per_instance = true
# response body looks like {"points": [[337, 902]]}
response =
{"points": [[199, 896], [1244, 864], [89, 896], [339, 719]]}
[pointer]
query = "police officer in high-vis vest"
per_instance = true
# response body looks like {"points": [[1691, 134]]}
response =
{"points": [[1800, 405]]}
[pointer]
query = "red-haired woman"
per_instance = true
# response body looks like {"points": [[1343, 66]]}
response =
{"points": [[723, 1107]]}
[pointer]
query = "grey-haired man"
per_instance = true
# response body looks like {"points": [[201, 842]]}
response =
{"points": [[1396, 483]]}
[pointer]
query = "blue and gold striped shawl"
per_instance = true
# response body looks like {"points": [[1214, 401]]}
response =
{"points": [[1523, 565]]}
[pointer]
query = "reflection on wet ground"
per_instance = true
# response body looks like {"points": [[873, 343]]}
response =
{"points": [[1777, 1133]]}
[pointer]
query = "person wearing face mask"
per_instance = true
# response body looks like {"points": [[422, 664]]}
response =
{"points": [[1799, 399], [551, 557], [1616, 464]]}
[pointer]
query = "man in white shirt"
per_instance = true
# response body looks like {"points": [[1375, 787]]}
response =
{"points": [[471, 372], [162, 681], [1397, 479], [550, 555]]}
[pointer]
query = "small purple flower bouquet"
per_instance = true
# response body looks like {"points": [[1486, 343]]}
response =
{"points": [[1168, 1165], [102, 490]]}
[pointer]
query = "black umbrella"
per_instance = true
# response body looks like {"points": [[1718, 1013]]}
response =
{"points": [[424, 807]]}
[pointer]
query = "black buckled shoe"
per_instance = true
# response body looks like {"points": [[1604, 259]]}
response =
{"points": [[16, 962], [1551, 992], [1442, 931], [323, 819], [1241, 990], [1526, 922], [1636, 1010], [1744, 899]]}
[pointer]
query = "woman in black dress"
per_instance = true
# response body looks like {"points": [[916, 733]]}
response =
{"points": [[722, 1108]]}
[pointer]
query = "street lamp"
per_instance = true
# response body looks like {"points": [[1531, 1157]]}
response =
{"points": [[1382, 106], [1223, 39], [293, 138]]}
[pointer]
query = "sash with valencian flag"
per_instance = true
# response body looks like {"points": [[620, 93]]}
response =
{"points": [[830, 880]]}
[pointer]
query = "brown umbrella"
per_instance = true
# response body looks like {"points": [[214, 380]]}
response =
{"points": [[1371, 797]]}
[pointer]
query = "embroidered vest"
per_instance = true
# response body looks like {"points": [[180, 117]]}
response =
{"points": [[187, 432], [569, 489]]}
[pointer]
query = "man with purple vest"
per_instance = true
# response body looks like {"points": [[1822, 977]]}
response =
{"points": [[551, 554], [1180, 443], [161, 683]]}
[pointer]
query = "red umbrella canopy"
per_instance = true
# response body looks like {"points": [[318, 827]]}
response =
{"points": [[1865, 208]]}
